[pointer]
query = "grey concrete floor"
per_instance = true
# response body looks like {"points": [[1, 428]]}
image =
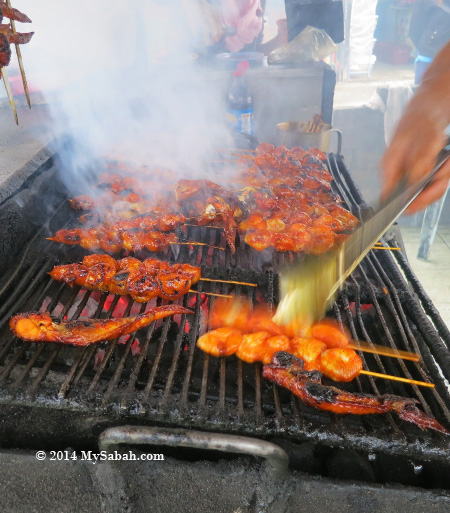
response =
{"points": [[434, 274]]}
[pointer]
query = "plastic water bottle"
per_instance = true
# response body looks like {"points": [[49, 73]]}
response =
{"points": [[239, 101]]}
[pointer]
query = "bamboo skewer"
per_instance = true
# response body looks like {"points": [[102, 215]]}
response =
{"points": [[396, 378], [384, 351], [227, 150], [197, 244], [9, 93], [229, 281], [19, 58], [211, 294], [250, 157]]}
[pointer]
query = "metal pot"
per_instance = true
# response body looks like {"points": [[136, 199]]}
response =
{"points": [[293, 133]]}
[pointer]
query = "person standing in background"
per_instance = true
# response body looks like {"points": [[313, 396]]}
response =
{"points": [[234, 25], [429, 31]]}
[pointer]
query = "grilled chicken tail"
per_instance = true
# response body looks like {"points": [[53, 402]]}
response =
{"points": [[287, 370], [13, 14], [37, 327]]}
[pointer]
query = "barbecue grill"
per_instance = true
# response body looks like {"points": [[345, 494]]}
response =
{"points": [[157, 382]]}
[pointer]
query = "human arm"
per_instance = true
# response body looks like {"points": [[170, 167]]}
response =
{"points": [[420, 135]]}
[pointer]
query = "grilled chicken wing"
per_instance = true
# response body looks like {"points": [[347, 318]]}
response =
{"points": [[37, 327], [287, 371]]}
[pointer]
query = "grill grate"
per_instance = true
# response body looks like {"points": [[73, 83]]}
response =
{"points": [[159, 376]]}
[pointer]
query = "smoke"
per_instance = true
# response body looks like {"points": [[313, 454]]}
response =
{"points": [[123, 80]]}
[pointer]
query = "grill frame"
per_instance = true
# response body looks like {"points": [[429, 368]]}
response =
{"points": [[103, 403]]}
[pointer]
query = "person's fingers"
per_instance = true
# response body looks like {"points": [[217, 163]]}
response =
{"points": [[423, 158], [392, 169], [431, 194]]}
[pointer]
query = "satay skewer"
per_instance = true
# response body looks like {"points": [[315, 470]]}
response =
{"points": [[9, 93], [396, 378], [230, 281], [197, 244], [227, 150], [242, 156], [384, 351], [387, 248], [211, 293], [19, 58]]}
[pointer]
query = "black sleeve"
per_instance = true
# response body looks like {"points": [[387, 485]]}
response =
{"points": [[322, 14]]}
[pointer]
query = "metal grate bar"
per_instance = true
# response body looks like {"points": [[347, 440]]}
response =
{"points": [[367, 338], [83, 351], [119, 369], [109, 351], [240, 389], [31, 390], [193, 335], [161, 343], [9, 342], [405, 339], [176, 356], [140, 360]]}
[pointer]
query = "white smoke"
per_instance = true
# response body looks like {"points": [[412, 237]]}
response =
{"points": [[122, 80]]}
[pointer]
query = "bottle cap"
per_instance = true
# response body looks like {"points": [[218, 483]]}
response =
{"points": [[241, 68]]}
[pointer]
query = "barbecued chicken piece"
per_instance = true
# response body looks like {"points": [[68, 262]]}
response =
{"points": [[288, 371], [313, 239], [13, 14], [143, 281], [114, 242], [185, 188], [18, 38], [37, 327]]}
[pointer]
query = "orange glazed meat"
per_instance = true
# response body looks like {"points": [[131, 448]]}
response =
{"points": [[252, 347], [143, 281], [37, 327], [327, 331], [309, 350], [340, 364], [287, 371], [220, 342]]}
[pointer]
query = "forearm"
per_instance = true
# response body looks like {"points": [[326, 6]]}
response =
{"points": [[435, 88]]}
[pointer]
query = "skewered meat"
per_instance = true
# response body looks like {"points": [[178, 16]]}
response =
{"points": [[37, 327], [13, 14], [143, 281], [19, 38], [252, 347], [111, 241], [5, 51], [329, 333], [221, 342], [340, 364], [185, 188], [309, 350], [288, 371]]}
